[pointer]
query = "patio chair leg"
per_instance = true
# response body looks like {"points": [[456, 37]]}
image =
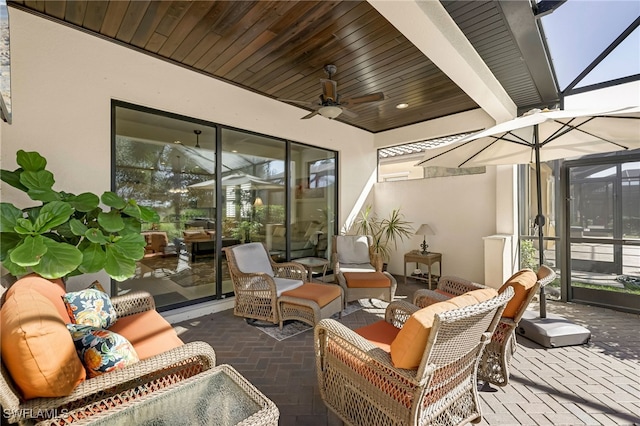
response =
{"points": [[486, 387]]}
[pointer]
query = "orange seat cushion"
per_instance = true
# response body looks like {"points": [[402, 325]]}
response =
{"points": [[367, 280], [522, 281], [380, 333], [52, 290], [322, 294], [408, 347], [148, 332], [37, 348]]}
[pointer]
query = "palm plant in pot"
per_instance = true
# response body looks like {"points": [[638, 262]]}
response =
{"points": [[384, 231], [67, 234]]}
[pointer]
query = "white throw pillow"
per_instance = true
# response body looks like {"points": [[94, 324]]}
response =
{"points": [[353, 249], [252, 258]]}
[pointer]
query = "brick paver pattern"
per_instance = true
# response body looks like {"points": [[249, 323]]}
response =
{"points": [[594, 384]]}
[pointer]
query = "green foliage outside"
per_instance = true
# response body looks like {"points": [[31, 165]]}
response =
{"points": [[528, 257]]}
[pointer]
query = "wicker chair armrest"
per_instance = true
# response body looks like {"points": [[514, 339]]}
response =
{"points": [[424, 298], [336, 270], [192, 358], [133, 303], [289, 270], [545, 275], [457, 285], [398, 312], [379, 361]]}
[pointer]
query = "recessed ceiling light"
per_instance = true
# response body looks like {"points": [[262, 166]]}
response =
{"points": [[234, 150], [402, 106], [177, 142]]}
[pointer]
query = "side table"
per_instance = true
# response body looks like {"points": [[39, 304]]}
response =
{"points": [[313, 262], [220, 396], [426, 259]]}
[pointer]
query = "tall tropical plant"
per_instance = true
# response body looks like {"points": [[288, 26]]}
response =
{"points": [[386, 231], [68, 234]]}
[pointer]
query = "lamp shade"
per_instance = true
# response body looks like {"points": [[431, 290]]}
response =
{"points": [[257, 202], [425, 229]]}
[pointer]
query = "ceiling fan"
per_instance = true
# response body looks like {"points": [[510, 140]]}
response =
{"points": [[330, 105]]}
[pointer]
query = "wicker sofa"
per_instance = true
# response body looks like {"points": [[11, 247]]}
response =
{"points": [[40, 377]]}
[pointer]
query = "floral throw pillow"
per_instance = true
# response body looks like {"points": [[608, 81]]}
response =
{"points": [[90, 307], [101, 350]]}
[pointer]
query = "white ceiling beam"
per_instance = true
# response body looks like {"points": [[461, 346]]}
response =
{"points": [[431, 29]]}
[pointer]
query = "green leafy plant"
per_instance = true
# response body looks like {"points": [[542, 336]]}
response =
{"points": [[528, 258], [68, 234], [386, 231]]}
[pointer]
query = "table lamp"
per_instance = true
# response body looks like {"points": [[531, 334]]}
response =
{"points": [[425, 230]]}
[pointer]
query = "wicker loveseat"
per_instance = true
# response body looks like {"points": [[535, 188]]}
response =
{"points": [[496, 358], [33, 332], [417, 367]]}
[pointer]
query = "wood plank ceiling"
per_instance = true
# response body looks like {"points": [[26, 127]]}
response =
{"points": [[279, 49]]}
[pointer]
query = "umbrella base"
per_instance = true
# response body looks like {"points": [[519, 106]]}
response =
{"points": [[553, 331]]}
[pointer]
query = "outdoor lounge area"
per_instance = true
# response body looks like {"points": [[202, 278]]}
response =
{"points": [[319, 205], [592, 384]]}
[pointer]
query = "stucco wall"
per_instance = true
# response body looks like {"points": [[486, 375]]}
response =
{"points": [[460, 210]]}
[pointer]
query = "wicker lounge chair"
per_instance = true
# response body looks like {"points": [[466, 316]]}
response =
{"points": [[495, 361], [276, 292], [359, 382], [354, 254]]}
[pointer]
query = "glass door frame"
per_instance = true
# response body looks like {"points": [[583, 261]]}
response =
{"points": [[604, 298]]}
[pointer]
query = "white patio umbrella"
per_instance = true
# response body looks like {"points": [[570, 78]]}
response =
{"points": [[540, 136], [237, 179]]}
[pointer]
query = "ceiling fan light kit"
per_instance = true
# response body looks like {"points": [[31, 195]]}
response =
{"points": [[330, 111]]}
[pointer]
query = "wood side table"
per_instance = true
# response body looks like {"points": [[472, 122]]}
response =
{"points": [[426, 259], [313, 262]]}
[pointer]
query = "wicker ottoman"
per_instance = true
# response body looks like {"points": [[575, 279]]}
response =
{"points": [[310, 303]]}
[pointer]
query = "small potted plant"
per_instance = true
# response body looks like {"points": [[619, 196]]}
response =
{"points": [[67, 234], [385, 231]]}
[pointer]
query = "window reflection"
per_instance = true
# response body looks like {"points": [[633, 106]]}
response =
{"points": [[169, 163]]}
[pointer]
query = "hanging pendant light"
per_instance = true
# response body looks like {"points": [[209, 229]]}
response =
{"points": [[197, 132]]}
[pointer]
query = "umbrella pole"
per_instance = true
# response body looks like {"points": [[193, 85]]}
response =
{"points": [[540, 220], [554, 331]]}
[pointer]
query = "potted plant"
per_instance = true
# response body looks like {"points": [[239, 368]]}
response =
{"points": [[67, 234], [385, 231]]}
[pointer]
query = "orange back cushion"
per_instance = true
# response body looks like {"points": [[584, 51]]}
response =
{"points": [[522, 281], [149, 333], [52, 290], [37, 348], [408, 347]]}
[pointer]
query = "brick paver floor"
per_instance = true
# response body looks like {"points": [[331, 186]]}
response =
{"points": [[593, 384]]}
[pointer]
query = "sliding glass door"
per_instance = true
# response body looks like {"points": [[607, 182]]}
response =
{"points": [[215, 187]]}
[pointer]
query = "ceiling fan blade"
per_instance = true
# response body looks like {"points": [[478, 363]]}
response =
{"points": [[372, 97], [303, 103], [329, 90], [349, 114], [309, 115]]}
